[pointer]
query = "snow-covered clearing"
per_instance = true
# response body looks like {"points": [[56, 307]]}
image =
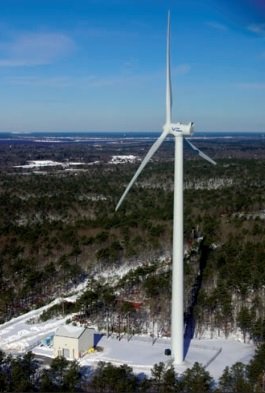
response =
{"points": [[18, 336], [45, 163], [123, 159], [25, 333], [22, 333], [141, 354]]}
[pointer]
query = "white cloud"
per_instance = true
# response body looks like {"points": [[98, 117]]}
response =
{"points": [[217, 26], [258, 28], [31, 49]]}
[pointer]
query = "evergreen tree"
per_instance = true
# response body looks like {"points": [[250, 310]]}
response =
{"points": [[244, 320], [71, 377], [235, 380], [59, 366], [197, 379], [164, 380], [256, 368], [157, 374], [112, 379], [45, 383], [170, 382]]}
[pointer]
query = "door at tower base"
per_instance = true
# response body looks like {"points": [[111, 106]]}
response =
{"points": [[72, 342]]}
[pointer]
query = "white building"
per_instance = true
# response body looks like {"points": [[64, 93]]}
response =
{"points": [[72, 341]]}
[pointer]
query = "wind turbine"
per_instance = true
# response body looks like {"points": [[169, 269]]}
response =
{"points": [[179, 131]]}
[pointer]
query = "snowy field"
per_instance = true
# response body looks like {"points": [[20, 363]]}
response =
{"points": [[66, 165], [141, 354], [21, 335], [123, 159], [45, 163], [25, 333]]}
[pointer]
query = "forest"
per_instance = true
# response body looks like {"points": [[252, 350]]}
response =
{"points": [[59, 227]]}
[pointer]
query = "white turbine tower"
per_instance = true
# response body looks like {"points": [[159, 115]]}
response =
{"points": [[178, 130]]}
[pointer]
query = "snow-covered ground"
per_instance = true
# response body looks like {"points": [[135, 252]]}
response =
{"points": [[123, 159], [141, 354], [45, 163], [20, 336], [25, 333], [67, 165], [113, 275], [22, 333]]}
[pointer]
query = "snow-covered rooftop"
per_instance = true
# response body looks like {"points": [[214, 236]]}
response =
{"points": [[70, 331]]}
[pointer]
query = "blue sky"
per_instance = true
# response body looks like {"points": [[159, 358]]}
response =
{"points": [[99, 65]]}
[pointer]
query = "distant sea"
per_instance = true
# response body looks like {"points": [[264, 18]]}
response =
{"points": [[81, 137]]}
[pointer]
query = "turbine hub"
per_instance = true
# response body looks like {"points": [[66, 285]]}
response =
{"points": [[178, 129]]}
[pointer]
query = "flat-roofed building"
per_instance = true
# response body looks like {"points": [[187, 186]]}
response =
{"points": [[72, 342]]}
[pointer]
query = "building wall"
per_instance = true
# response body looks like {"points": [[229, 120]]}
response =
{"points": [[76, 346], [86, 341], [66, 343]]}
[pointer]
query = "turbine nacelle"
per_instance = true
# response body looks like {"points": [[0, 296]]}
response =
{"points": [[178, 129]]}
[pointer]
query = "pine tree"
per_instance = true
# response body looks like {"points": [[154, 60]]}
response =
{"points": [[71, 377], [235, 380], [197, 379], [256, 367]]}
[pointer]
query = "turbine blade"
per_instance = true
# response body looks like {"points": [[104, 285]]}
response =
{"points": [[200, 153], [148, 156], [168, 76]]}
